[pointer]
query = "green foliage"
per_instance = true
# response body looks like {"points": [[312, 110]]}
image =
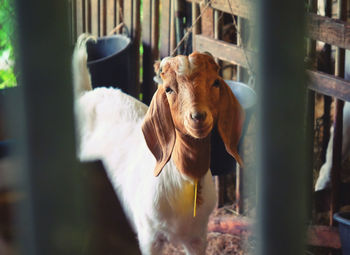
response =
{"points": [[7, 76], [7, 79]]}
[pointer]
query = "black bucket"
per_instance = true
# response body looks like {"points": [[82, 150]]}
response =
{"points": [[344, 230], [109, 62], [221, 162]]}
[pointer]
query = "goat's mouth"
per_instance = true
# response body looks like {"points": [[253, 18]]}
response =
{"points": [[200, 131]]}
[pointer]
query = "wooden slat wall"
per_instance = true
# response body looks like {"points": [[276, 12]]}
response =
{"points": [[328, 30], [224, 51], [335, 32], [241, 8], [98, 17], [329, 85], [331, 31]]}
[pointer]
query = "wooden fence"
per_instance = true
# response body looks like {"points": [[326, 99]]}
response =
{"points": [[160, 35]]}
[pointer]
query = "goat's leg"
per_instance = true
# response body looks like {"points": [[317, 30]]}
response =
{"points": [[196, 246]]}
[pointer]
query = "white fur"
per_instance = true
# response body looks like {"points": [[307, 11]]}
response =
{"points": [[186, 65], [158, 208], [79, 66], [324, 178]]}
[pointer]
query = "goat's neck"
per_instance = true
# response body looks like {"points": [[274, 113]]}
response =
{"points": [[191, 156]]}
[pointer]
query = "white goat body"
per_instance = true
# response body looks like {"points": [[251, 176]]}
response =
{"points": [[109, 128], [324, 178]]}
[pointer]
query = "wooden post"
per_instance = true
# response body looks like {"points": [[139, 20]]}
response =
{"points": [[338, 125], [150, 32], [172, 26], [165, 29], [196, 28], [95, 16], [207, 21], [87, 16], [73, 20], [179, 26], [155, 29], [240, 77], [327, 99], [80, 17], [310, 111], [102, 18], [131, 17], [213, 30], [239, 36], [119, 13], [110, 15]]}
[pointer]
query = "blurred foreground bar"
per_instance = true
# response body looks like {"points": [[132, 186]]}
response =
{"points": [[282, 169], [67, 209]]}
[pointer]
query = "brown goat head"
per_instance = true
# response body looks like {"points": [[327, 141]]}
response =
{"points": [[190, 100]]}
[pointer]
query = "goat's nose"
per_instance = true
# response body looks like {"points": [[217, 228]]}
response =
{"points": [[198, 116]]}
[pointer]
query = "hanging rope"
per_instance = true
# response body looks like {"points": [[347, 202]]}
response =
{"points": [[239, 37], [189, 31]]}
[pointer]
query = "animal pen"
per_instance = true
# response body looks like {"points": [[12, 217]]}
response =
{"points": [[57, 215]]}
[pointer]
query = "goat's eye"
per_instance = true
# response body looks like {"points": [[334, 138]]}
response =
{"points": [[168, 90], [216, 83]]}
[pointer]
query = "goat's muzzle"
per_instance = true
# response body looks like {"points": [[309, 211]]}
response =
{"points": [[199, 123]]}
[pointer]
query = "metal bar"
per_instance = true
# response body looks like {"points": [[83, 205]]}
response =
{"points": [[282, 172], [52, 216]]}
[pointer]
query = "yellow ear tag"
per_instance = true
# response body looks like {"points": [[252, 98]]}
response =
{"points": [[195, 198]]}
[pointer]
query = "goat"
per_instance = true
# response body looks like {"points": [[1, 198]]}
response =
{"points": [[324, 178], [172, 137]]}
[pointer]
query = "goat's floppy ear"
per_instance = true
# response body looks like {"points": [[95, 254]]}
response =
{"points": [[230, 120], [158, 129]]}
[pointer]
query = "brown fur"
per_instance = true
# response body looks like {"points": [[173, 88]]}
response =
{"points": [[169, 129]]}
